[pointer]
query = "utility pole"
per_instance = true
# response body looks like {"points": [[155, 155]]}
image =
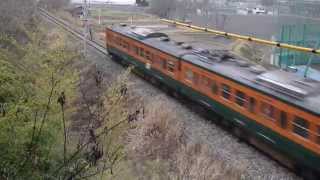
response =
{"points": [[99, 16], [86, 27]]}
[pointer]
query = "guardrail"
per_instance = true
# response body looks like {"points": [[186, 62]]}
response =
{"points": [[246, 38]]}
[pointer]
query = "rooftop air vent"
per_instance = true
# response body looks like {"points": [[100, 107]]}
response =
{"points": [[165, 39], [225, 57], [123, 24], [292, 69], [205, 51], [179, 43], [186, 46], [287, 83], [243, 63], [257, 69]]}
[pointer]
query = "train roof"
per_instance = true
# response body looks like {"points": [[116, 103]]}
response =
{"points": [[282, 84]]}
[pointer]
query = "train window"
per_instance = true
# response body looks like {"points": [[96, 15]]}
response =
{"points": [[226, 91], [135, 49], [189, 75], [141, 52], [171, 66], [283, 119], [214, 87], [240, 98], [205, 81], [151, 57], [252, 104], [148, 55], [163, 63], [301, 127], [125, 45], [195, 78], [318, 134], [267, 110]]}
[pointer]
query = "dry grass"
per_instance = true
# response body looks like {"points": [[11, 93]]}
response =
{"points": [[157, 148], [195, 161], [247, 50], [158, 135]]}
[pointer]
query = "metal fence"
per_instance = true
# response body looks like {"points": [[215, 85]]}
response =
{"points": [[307, 35]]}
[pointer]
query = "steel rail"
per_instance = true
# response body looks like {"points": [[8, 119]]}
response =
{"points": [[72, 30], [247, 38]]}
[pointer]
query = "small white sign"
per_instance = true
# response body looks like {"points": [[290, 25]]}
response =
{"points": [[148, 66]]}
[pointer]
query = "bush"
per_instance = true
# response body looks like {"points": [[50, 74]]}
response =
{"points": [[195, 161], [54, 4], [158, 148], [158, 135], [16, 16], [32, 80]]}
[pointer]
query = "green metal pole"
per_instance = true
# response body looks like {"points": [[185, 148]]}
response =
{"points": [[303, 55], [280, 53], [310, 61]]}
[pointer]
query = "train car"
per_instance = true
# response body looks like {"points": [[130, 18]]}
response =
{"points": [[275, 110]]}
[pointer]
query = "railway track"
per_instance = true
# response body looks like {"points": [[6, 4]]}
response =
{"points": [[72, 30], [255, 172]]}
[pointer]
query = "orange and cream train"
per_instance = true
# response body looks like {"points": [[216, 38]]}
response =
{"points": [[276, 110]]}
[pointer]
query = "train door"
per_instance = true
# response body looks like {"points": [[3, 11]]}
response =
{"points": [[149, 55]]}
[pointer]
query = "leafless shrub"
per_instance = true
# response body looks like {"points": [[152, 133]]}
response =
{"points": [[158, 135], [159, 140], [54, 4], [15, 15], [101, 119], [194, 161]]}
